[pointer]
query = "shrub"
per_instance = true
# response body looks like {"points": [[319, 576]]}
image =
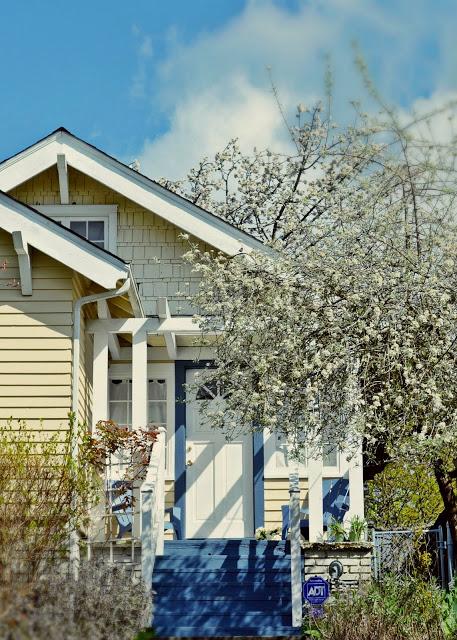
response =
{"points": [[408, 609], [104, 604], [44, 493]]}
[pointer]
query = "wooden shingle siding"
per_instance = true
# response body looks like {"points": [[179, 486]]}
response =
{"points": [[151, 244]]}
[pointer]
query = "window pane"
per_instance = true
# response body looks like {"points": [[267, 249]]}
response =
{"points": [[99, 244], [96, 230], [118, 412], [157, 412], [157, 390], [79, 227], [118, 389], [330, 455], [208, 391]]}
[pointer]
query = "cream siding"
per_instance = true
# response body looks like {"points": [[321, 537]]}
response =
{"points": [[276, 492], [35, 342], [80, 289]]}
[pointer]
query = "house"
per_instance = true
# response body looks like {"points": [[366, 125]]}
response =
{"points": [[91, 319]]}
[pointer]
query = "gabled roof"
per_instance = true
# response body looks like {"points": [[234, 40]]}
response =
{"points": [[130, 183], [61, 243]]}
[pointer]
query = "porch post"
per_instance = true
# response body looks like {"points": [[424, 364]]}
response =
{"points": [[315, 499], [139, 380], [356, 495], [100, 379]]}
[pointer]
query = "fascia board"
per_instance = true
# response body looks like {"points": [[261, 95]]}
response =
{"points": [[165, 204], [138, 188], [29, 163], [54, 241]]}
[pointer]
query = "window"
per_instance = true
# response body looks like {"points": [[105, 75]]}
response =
{"points": [[161, 401], [329, 455], [157, 401], [120, 402], [93, 230], [97, 222]]}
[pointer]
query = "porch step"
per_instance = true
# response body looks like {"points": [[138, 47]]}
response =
{"points": [[241, 547], [223, 588]]}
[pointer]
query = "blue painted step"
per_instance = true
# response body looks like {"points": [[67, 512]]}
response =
{"points": [[222, 562], [203, 576], [216, 588], [242, 547], [220, 607], [221, 591], [220, 632]]}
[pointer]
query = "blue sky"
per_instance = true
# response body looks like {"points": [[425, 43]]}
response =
{"points": [[168, 82]]}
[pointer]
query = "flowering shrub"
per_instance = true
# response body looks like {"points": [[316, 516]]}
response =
{"points": [[344, 329]]}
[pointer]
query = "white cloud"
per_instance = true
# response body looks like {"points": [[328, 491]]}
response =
{"points": [[201, 125], [144, 52], [216, 86]]}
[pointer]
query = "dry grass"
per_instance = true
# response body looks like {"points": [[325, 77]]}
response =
{"points": [[104, 604]]}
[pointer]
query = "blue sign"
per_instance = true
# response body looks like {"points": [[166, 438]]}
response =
{"points": [[316, 590]]}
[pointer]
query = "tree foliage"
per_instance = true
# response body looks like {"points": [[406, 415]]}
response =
{"points": [[344, 328], [403, 497]]}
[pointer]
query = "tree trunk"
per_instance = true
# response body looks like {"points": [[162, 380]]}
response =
{"points": [[446, 486]]}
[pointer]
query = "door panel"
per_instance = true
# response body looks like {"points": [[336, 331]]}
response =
{"points": [[218, 479]]}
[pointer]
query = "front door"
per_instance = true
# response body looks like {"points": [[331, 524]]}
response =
{"points": [[219, 500]]}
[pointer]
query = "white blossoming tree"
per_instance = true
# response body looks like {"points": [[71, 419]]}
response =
{"points": [[346, 328]]}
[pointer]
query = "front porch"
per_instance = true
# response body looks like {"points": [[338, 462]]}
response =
{"points": [[164, 349]]}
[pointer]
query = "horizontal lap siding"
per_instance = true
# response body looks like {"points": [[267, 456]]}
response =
{"points": [[85, 358], [35, 342], [276, 494], [169, 502]]}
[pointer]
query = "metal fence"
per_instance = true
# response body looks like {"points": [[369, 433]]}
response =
{"points": [[405, 552]]}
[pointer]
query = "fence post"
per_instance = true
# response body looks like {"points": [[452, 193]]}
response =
{"points": [[441, 545], [147, 557], [295, 548], [375, 557], [450, 555]]}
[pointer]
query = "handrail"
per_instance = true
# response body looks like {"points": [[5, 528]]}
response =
{"points": [[295, 548], [152, 509]]}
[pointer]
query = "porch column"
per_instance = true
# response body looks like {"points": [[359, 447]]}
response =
{"points": [[100, 409], [356, 494], [315, 499], [139, 380]]}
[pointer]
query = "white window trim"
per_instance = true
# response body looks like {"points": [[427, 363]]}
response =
{"points": [[104, 212], [271, 470], [164, 371]]}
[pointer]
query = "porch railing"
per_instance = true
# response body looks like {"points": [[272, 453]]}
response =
{"points": [[152, 494]]}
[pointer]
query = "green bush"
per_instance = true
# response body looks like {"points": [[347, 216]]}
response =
{"points": [[396, 609]]}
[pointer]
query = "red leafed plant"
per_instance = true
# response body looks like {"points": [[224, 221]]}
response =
{"points": [[135, 446]]}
